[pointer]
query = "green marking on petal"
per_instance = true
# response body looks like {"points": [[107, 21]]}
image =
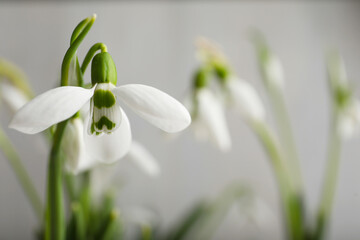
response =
{"points": [[104, 98], [104, 121]]}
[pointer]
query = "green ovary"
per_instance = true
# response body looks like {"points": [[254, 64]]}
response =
{"points": [[104, 98], [104, 121]]}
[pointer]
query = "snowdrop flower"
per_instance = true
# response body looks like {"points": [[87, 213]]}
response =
{"points": [[109, 134], [209, 119], [245, 99], [273, 71], [349, 120], [346, 105]]}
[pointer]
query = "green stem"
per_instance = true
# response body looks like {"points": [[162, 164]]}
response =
{"points": [[289, 197], [21, 174], [91, 53], [286, 135], [55, 225], [330, 180], [55, 207]]}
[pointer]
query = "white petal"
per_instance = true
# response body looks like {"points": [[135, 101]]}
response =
{"points": [[12, 96], [211, 115], [73, 146], [49, 108], [155, 106], [246, 99], [143, 158], [275, 72], [349, 120], [105, 119], [108, 148]]}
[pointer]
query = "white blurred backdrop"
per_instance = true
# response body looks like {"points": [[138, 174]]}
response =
{"points": [[152, 43]]}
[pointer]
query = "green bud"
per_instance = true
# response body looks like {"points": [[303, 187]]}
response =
{"points": [[221, 71], [200, 79], [103, 69]]}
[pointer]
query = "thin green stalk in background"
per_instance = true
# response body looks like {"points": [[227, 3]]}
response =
{"points": [[330, 180], [278, 104], [286, 135], [21, 174], [289, 197]]}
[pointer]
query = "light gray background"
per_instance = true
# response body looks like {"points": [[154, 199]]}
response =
{"points": [[152, 43]]}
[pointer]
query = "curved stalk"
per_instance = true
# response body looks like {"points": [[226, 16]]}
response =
{"points": [[72, 50], [90, 54]]}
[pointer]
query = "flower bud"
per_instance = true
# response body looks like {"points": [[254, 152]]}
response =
{"points": [[73, 146], [245, 99], [274, 71], [103, 69]]}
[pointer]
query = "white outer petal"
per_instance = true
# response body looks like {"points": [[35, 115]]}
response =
{"points": [[155, 106], [211, 115], [246, 99], [50, 108], [143, 158], [73, 145], [12, 96], [109, 148], [274, 71], [349, 120]]}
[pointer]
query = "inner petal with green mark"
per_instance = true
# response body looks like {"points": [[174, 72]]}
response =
{"points": [[105, 113]]}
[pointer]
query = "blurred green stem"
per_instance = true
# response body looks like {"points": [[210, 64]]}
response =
{"points": [[290, 198], [286, 136], [330, 179], [21, 174]]}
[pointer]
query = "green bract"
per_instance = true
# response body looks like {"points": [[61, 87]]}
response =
{"points": [[103, 69]]}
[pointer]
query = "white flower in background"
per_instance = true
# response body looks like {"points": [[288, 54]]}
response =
{"points": [[209, 119], [245, 99], [103, 176], [274, 71], [349, 120], [109, 136], [13, 97], [346, 105]]}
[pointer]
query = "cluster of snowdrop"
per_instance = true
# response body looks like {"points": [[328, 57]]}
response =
{"points": [[209, 101], [107, 135], [89, 129]]}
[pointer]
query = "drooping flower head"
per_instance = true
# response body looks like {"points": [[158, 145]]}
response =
{"points": [[346, 106], [109, 134]]}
